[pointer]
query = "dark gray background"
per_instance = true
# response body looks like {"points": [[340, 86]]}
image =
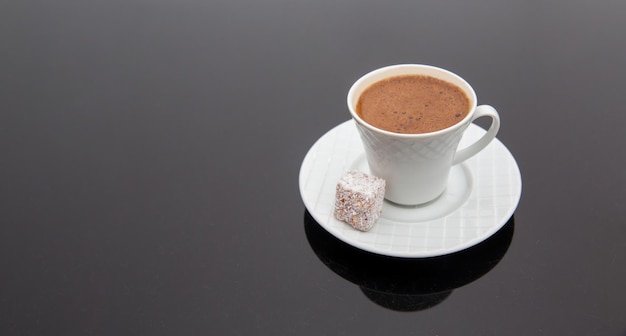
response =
{"points": [[149, 158]]}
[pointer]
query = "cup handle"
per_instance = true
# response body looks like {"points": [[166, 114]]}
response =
{"points": [[473, 149]]}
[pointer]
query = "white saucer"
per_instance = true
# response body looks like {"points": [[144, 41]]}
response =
{"points": [[481, 197]]}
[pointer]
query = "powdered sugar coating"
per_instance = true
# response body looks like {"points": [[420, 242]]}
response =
{"points": [[359, 199]]}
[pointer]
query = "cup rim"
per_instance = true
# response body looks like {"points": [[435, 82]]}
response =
{"points": [[401, 69]]}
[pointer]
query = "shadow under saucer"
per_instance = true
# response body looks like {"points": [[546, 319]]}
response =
{"points": [[407, 284]]}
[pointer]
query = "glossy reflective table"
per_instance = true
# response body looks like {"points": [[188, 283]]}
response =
{"points": [[150, 154]]}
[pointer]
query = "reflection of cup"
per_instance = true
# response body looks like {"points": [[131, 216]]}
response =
{"points": [[405, 284], [416, 166], [406, 302]]}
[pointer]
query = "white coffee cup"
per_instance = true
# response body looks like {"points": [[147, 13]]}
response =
{"points": [[416, 166]]}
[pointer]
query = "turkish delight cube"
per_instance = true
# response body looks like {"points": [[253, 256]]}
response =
{"points": [[359, 199]]}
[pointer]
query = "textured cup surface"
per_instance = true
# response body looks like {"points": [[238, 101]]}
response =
{"points": [[416, 166]]}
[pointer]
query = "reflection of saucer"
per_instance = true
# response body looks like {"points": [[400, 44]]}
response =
{"points": [[482, 195], [407, 284]]}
